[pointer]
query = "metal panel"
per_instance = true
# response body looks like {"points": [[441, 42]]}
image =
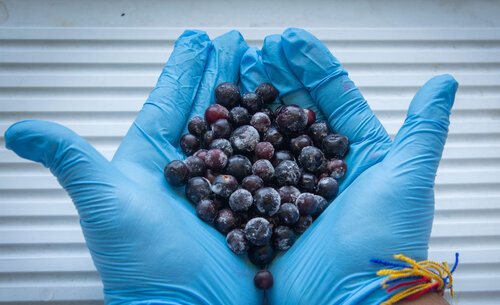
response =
{"points": [[94, 80]]}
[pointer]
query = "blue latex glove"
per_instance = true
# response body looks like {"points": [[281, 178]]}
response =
{"points": [[144, 237], [386, 200]]}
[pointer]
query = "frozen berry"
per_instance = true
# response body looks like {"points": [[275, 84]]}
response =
{"points": [[208, 138], [318, 131], [311, 158], [215, 112], [261, 122], [283, 238], [307, 182], [292, 120], [303, 223], [225, 221], [211, 175], [264, 169], [264, 150], [327, 187], [261, 256], [263, 280], [288, 194], [197, 126], [239, 166], [311, 116], [337, 168], [237, 242], [280, 156], [224, 145], [216, 159], [245, 138], [268, 92], [298, 143], [307, 204], [201, 153], [240, 200], [287, 173], [322, 205], [252, 102], [189, 144], [196, 166], [239, 116], [221, 128], [227, 94], [274, 137], [206, 210], [224, 185], [335, 146], [176, 172], [198, 188], [258, 231], [288, 213], [252, 183], [268, 112], [267, 200]]}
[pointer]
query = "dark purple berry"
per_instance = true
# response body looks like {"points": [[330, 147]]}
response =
{"points": [[287, 173], [335, 146], [264, 169], [337, 168], [283, 238], [311, 116], [239, 166], [267, 200], [258, 231], [268, 112], [206, 210], [208, 137], [261, 122], [176, 173], [303, 223], [196, 166], [280, 156], [224, 145], [288, 213], [239, 116], [215, 112], [237, 242], [189, 144], [268, 92], [252, 102], [261, 256], [201, 153], [240, 200], [274, 137], [311, 158], [292, 120], [245, 138], [289, 194], [221, 128], [197, 126], [317, 132], [252, 183], [327, 187], [298, 143], [307, 204], [224, 185], [322, 205], [226, 221], [307, 182], [263, 280], [198, 188], [216, 159], [264, 150], [228, 95]]}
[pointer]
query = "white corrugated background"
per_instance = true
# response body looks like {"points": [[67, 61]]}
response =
{"points": [[83, 64]]}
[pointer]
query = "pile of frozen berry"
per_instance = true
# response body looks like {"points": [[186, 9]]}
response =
{"points": [[261, 177]]}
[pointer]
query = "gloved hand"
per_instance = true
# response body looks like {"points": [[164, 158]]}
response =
{"points": [[386, 200], [144, 237]]}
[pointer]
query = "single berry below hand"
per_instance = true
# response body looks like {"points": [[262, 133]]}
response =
{"points": [[263, 280]]}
